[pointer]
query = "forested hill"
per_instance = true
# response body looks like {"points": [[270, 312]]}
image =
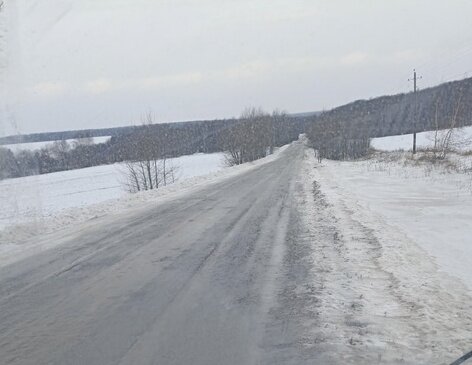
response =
{"points": [[406, 113]]}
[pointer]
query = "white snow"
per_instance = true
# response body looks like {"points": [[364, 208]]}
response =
{"points": [[43, 204], [34, 146], [423, 140], [393, 259], [420, 205], [34, 198]]}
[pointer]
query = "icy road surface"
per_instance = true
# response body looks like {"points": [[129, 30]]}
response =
{"points": [[193, 281], [257, 269]]}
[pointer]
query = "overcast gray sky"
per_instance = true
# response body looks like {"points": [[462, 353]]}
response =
{"points": [[99, 63]]}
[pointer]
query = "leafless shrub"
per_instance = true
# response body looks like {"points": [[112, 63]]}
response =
{"points": [[60, 151], [148, 174], [451, 138], [148, 168], [338, 141], [252, 137]]}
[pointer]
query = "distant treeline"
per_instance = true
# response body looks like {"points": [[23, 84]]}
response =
{"points": [[168, 140], [340, 133]]}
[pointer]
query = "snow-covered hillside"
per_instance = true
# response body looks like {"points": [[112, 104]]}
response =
{"points": [[423, 140]]}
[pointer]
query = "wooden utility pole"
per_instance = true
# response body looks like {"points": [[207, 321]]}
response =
{"points": [[416, 110]]}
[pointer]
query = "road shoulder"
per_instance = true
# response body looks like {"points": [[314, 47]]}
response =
{"points": [[381, 297]]}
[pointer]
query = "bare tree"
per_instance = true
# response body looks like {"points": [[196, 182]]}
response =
{"points": [[334, 139], [8, 164], [60, 151], [148, 167], [251, 138], [451, 138], [277, 127]]}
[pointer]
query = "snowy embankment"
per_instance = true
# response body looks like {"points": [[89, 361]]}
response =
{"points": [[43, 204], [402, 255], [416, 204], [431, 203]]}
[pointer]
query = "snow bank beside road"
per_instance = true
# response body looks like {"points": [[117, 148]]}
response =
{"points": [[431, 208], [398, 267], [21, 240]]}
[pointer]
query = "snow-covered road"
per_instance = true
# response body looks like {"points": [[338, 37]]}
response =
{"points": [[264, 267]]}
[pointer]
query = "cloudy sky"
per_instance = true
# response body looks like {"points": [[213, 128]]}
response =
{"points": [[97, 63]]}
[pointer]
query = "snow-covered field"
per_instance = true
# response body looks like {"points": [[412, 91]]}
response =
{"points": [[34, 146], [34, 199], [38, 205], [423, 140], [425, 203], [430, 208], [415, 201]]}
